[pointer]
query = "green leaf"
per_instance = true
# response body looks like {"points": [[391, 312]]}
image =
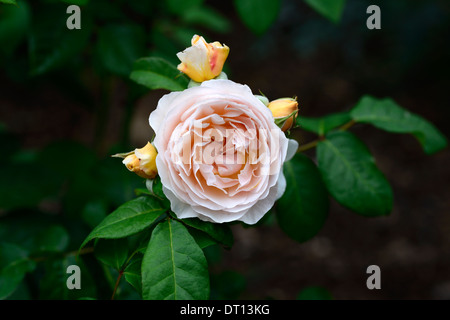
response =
{"points": [[157, 73], [330, 9], [132, 273], [142, 192], [130, 218], [324, 124], [219, 232], [52, 239], [155, 188], [258, 15], [139, 241], [174, 267], [208, 18], [112, 252], [9, 1], [202, 239], [119, 46], [314, 293], [51, 44], [14, 264], [351, 175], [303, 208], [387, 115]]}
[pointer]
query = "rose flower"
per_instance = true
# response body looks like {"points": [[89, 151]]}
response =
{"points": [[220, 153]]}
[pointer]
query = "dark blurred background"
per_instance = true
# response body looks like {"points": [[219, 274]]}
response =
{"points": [[61, 120]]}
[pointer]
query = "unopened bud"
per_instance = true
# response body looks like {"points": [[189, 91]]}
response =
{"points": [[203, 61], [141, 161], [284, 112], [263, 99]]}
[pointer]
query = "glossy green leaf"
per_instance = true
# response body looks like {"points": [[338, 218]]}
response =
{"points": [[157, 73], [202, 239], [130, 218], [314, 293], [139, 241], [155, 188], [324, 124], [219, 232], [330, 9], [142, 192], [174, 267], [303, 208], [258, 15], [119, 46], [387, 115], [112, 252], [351, 175], [14, 264], [132, 272]]}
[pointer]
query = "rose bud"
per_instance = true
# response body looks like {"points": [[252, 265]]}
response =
{"points": [[284, 111], [203, 61], [141, 161]]}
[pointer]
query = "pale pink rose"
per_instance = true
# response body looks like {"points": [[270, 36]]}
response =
{"points": [[220, 154]]}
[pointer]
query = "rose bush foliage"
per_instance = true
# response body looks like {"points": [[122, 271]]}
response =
{"points": [[224, 157], [158, 242]]}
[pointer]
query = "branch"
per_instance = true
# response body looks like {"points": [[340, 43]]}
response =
{"points": [[314, 143]]}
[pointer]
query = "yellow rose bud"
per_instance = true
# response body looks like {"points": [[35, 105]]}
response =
{"points": [[132, 163], [147, 156], [203, 61], [284, 112], [141, 161]]}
